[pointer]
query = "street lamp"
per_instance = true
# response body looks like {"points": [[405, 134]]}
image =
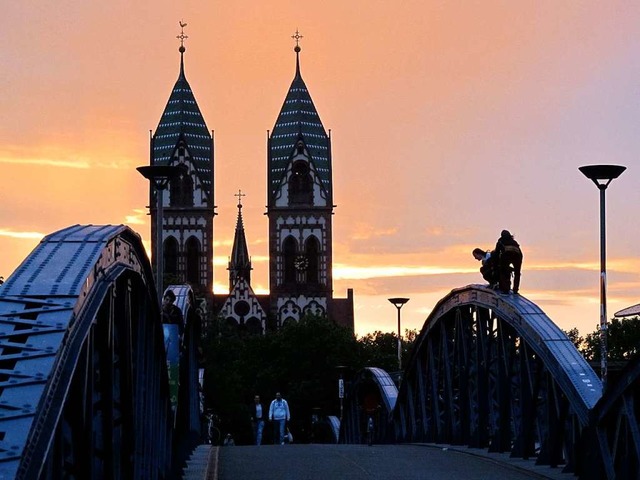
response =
{"points": [[159, 176], [602, 175], [398, 303]]}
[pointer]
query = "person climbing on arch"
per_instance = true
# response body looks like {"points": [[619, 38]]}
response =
{"points": [[509, 258], [489, 268]]}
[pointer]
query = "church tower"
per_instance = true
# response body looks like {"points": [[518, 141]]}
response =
{"points": [[182, 139], [299, 207]]}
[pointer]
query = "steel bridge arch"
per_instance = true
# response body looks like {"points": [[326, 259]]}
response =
{"points": [[372, 393], [83, 376], [492, 371]]}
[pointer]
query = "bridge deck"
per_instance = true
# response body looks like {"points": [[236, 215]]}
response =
{"points": [[310, 462]]}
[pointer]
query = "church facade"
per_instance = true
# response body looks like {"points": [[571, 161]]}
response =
{"points": [[299, 211]]}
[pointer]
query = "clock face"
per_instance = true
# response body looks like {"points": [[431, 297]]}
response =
{"points": [[301, 262]]}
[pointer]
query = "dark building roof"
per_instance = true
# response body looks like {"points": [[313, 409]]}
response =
{"points": [[182, 120], [298, 119], [342, 310]]}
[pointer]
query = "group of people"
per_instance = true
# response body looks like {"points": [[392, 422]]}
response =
{"points": [[500, 263], [278, 413]]}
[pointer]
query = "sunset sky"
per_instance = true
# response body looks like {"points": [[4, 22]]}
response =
{"points": [[449, 122]]}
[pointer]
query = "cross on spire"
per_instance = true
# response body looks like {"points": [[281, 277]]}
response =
{"points": [[182, 37], [239, 195], [297, 38]]}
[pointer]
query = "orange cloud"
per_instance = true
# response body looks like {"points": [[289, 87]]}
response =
{"points": [[13, 234]]}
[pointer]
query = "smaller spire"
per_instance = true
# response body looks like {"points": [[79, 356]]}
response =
{"points": [[182, 37], [240, 262], [297, 49]]}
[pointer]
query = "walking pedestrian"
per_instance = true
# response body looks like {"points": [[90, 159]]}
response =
{"points": [[279, 415], [257, 419]]}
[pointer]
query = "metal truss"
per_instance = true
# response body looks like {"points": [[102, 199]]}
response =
{"points": [[613, 441], [372, 393], [493, 371], [83, 381]]}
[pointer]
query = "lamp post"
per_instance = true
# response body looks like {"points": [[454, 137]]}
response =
{"points": [[602, 175], [159, 176], [398, 303]]}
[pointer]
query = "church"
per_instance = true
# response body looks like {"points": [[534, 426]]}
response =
{"points": [[299, 211]]}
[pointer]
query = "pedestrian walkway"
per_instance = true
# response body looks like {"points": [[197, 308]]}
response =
{"points": [[355, 462]]}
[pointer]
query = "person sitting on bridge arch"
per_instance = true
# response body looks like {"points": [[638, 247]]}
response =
{"points": [[509, 259], [489, 268]]}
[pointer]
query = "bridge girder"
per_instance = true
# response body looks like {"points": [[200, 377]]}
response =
{"points": [[372, 394], [84, 391], [492, 371]]}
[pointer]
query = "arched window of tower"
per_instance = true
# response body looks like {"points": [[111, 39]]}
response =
{"points": [[312, 252], [289, 249], [192, 248], [170, 250], [181, 189], [300, 184]]}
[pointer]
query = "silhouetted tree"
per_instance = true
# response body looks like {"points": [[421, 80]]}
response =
{"points": [[298, 360], [380, 349], [576, 339], [623, 340]]}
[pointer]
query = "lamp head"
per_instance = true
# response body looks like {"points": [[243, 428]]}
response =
{"points": [[602, 175], [398, 302], [159, 175]]}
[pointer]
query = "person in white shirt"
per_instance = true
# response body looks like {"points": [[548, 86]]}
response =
{"points": [[279, 415]]}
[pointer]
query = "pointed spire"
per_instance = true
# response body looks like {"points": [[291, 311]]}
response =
{"points": [[182, 121], [240, 262], [182, 37], [297, 49], [298, 120]]}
